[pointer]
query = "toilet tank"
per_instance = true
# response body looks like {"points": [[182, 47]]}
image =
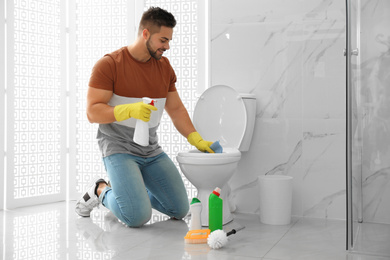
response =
{"points": [[250, 106]]}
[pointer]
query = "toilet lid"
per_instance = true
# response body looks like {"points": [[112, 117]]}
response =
{"points": [[220, 115]]}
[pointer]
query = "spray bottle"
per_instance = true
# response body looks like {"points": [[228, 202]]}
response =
{"points": [[141, 133], [196, 209], [215, 210]]}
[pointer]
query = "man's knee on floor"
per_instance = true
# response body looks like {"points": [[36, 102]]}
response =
{"points": [[139, 219], [181, 211]]}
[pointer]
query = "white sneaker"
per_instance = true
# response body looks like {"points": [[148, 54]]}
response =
{"points": [[89, 200]]}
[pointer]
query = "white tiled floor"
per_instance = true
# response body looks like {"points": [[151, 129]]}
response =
{"points": [[54, 231]]}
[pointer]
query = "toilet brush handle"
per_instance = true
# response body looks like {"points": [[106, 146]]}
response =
{"points": [[231, 232], [234, 231]]}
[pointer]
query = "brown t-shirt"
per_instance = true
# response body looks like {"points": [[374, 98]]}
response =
{"points": [[130, 80], [127, 77]]}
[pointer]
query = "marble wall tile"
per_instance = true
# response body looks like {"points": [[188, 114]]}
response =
{"points": [[276, 149], [290, 55], [323, 181]]}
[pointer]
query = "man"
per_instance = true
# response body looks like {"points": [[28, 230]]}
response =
{"points": [[141, 177]]}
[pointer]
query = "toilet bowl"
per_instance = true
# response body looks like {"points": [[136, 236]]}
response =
{"points": [[221, 114]]}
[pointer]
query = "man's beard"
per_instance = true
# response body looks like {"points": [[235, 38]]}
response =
{"points": [[151, 52]]}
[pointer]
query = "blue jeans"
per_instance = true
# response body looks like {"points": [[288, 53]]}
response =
{"points": [[139, 184]]}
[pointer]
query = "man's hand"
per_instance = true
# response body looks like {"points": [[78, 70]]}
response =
{"points": [[138, 110], [196, 140]]}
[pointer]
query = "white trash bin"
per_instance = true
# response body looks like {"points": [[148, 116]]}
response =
{"points": [[275, 199]]}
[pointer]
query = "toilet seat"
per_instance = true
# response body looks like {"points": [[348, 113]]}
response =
{"points": [[227, 152], [195, 156], [220, 114]]}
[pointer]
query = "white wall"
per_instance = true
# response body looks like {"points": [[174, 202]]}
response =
{"points": [[290, 55]]}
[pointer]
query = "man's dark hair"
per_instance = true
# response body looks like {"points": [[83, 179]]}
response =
{"points": [[154, 18]]}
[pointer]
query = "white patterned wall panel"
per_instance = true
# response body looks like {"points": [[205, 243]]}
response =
{"points": [[183, 58], [35, 125], [3, 103], [101, 27]]}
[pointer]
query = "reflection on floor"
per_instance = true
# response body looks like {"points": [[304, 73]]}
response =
{"points": [[55, 231], [373, 238]]}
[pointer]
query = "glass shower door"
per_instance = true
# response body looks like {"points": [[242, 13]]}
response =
{"points": [[368, 126]]}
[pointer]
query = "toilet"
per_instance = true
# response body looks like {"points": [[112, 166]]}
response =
{"points": [[221, 114]]}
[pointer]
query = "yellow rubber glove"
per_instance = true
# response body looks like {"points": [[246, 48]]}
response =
{"points": [[138, 110], [196, 140]]}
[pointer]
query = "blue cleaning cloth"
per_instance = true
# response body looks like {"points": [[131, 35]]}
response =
{"points": [[216, 147]]}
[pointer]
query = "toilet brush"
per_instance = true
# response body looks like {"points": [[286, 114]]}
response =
{"points": [[219, 238]]}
